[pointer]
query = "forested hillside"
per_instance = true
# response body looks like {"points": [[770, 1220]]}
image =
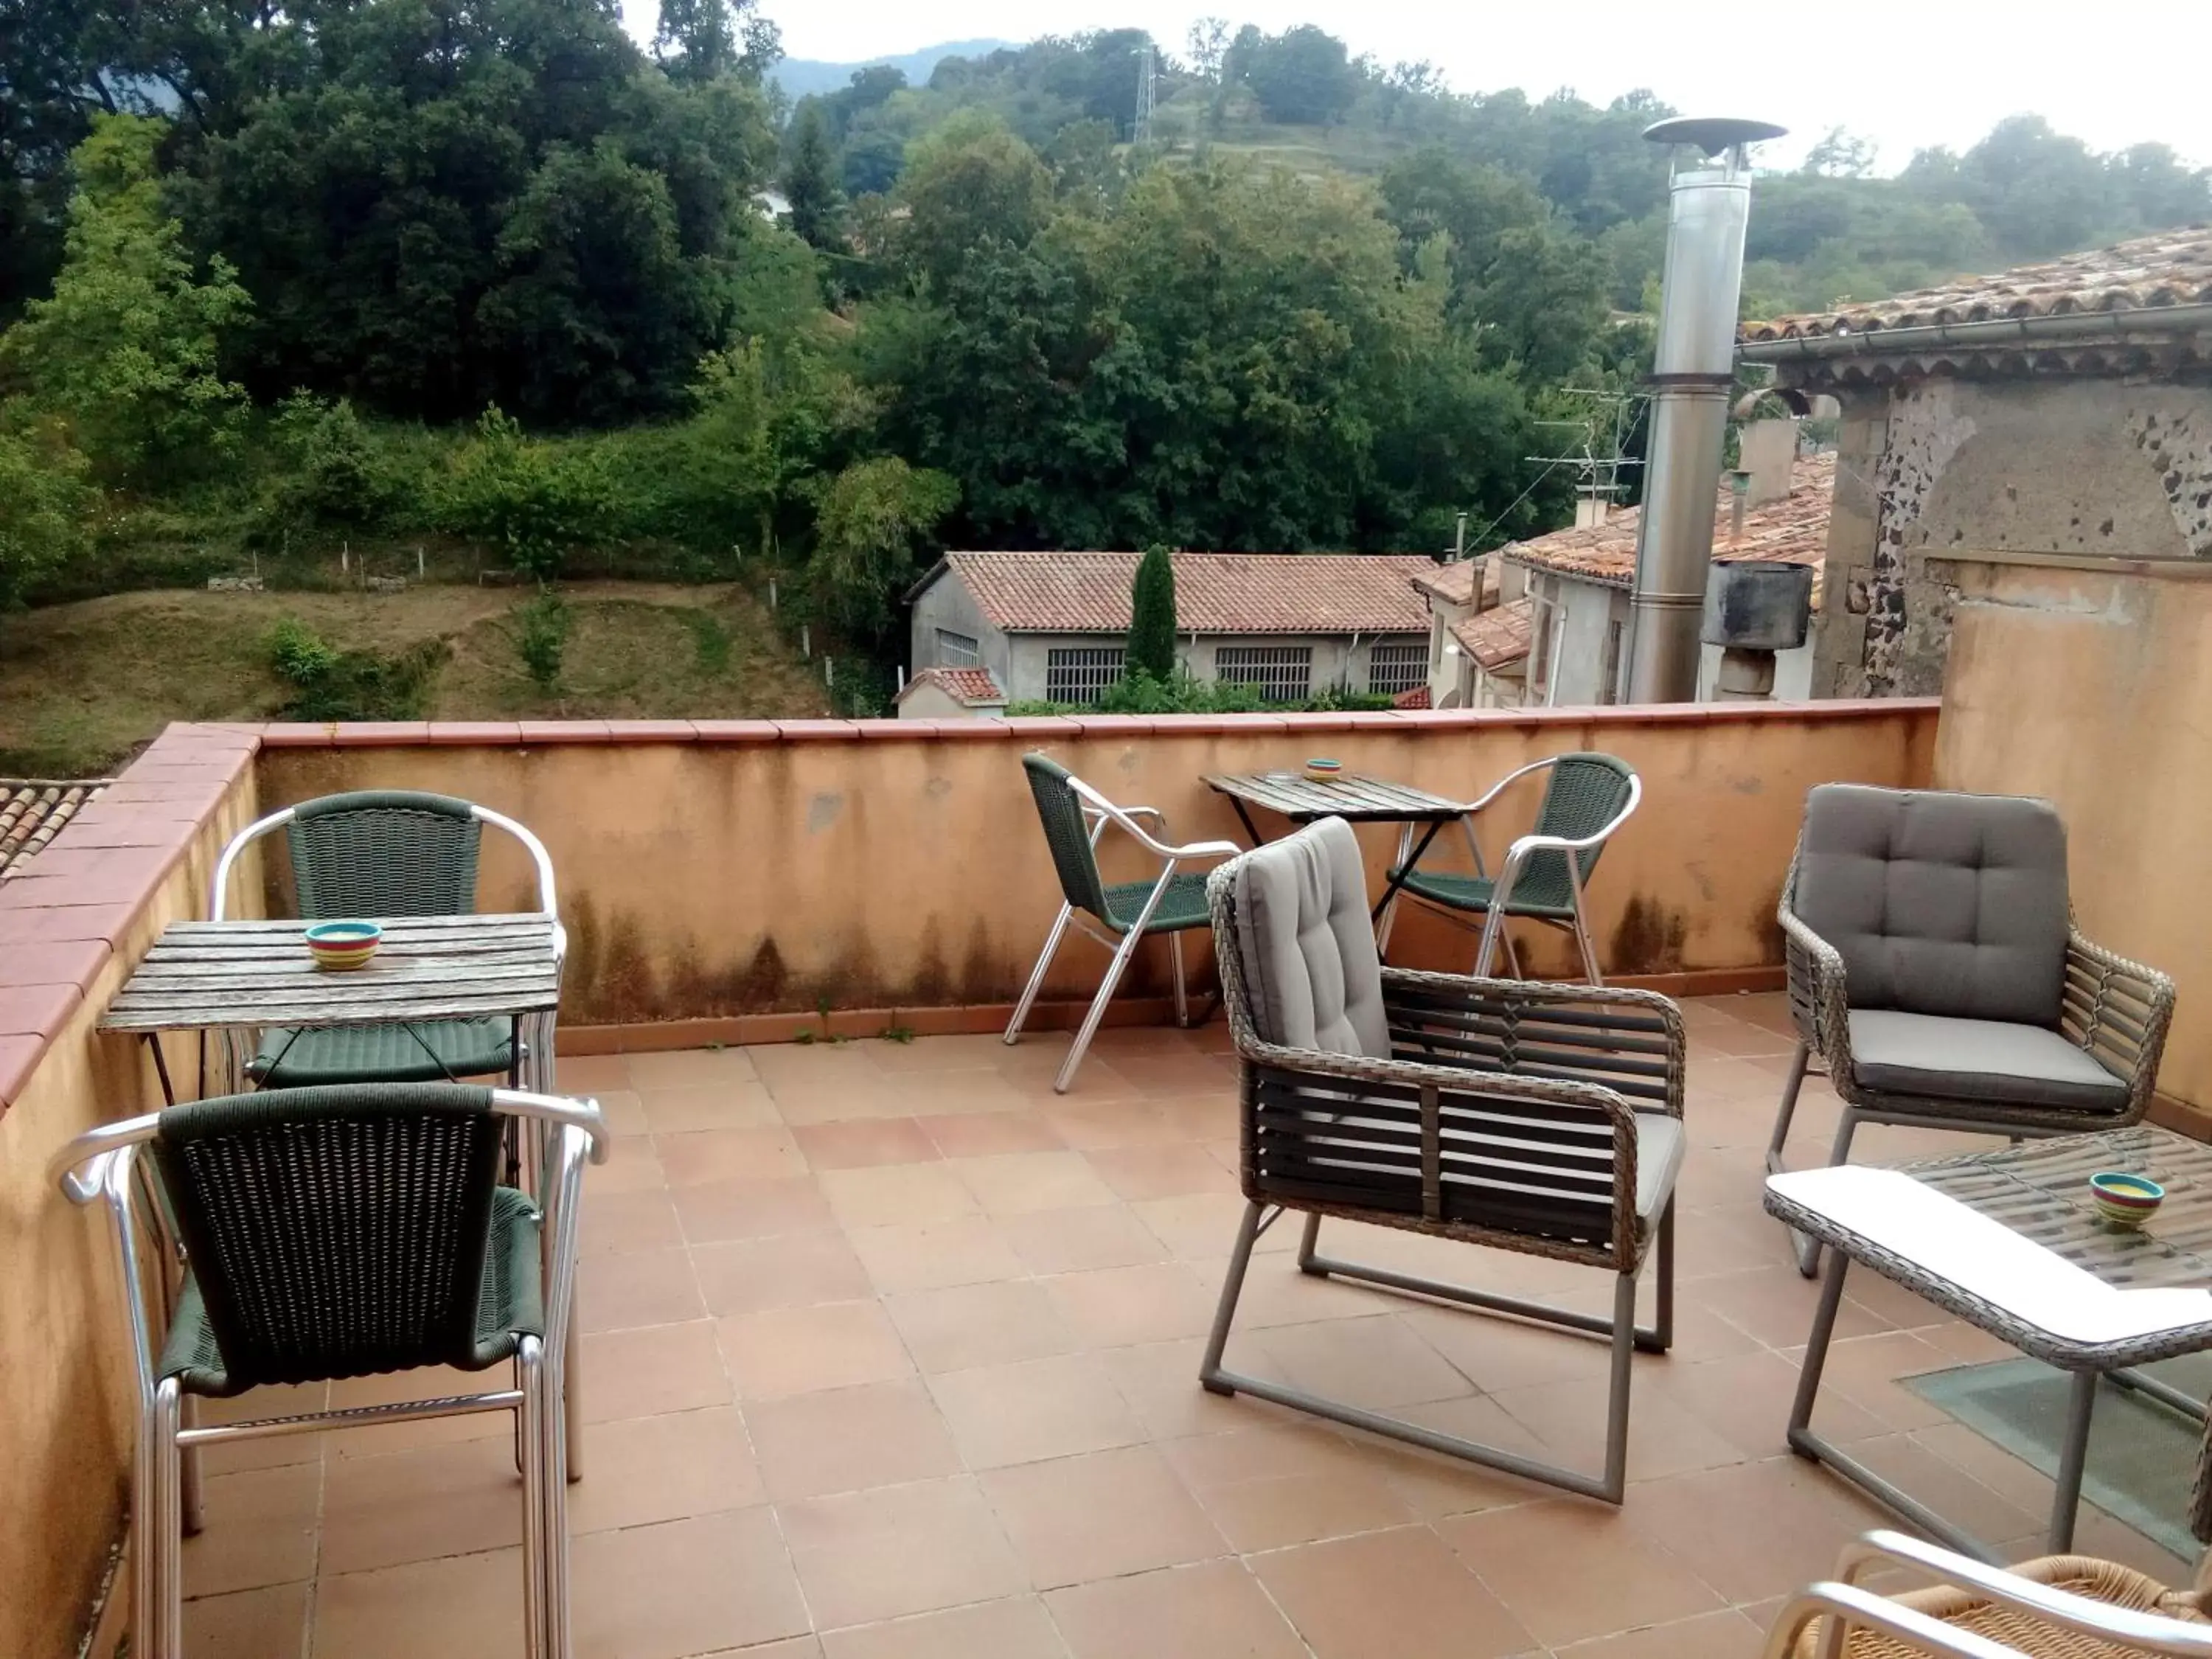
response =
{"points": [[462, 290]]}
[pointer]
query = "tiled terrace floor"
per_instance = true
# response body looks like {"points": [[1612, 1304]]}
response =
{"points": [[892, 1355]]}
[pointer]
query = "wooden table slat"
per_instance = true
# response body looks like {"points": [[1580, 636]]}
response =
{"points": [[1295, 796]]}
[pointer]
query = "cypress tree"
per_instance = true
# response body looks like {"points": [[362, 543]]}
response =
{"points": [[1151, 648]]}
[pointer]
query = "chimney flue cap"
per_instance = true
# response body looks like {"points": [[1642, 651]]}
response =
{"points": [[1711, 134]]}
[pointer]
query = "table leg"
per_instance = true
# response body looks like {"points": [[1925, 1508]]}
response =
{"points": [[1244, 818], [1405, 868], [2072, 1452], [161, 1067]]}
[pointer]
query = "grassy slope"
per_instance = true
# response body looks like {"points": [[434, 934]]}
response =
{"points": [[83, 685]]}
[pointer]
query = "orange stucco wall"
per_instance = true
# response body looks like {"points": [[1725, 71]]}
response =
{"points": [[2093, 687], [898, 864]]}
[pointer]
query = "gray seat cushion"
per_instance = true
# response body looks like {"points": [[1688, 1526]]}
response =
{"points": [[1661, 1146], [1306, 947], [1944, 904], [1999, 1061]]}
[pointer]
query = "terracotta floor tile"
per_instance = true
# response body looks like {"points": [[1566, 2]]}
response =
{"points": [[1266, 1487], [798, 1066], [1775, 1305], [1865, 1371], [231, 1457], [1569, 1570], [950, 1094], [1202, 1227], [415, 1505], [622, 1110], [898, 1195], [640, 1220], [1497, 1354], [637, 1287], [723, 1210], [990, 1134], [863, 1142], [683, 1588], [935, 1255], [1729, 1634], [1753, 1530], [1177, 1074], [969, 1051], [1386, 1595], [1209, 1116], [1910, 1463], [966, 1326], [1091, 1125], [690, 1068], [1376, 1362], [785, 1351], [660, 1368], [1215, 1610], [458, 1606], [668, 1468], [1663, 1438], [1101, 1516], [1113, 1307], [1073, 1241], [1014, 1183], [744, 1105], [701, 1156], [1167, 1170], [880, 1434], [431, 1382], [1160, 1382], [1016, 1628], [1746, 1399], [271, 1623], [631, 1164], [786, 1270], [259, 1530], [1005, 1414], [590, 1074], [865, 1557]]}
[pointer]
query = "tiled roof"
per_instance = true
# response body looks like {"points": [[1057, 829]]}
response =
{"points": [[1417, 697], [1498, 637], [1215, 593], [1454, 583], [1794, 528], [32, 811], [969, 686], [2172, 268]]}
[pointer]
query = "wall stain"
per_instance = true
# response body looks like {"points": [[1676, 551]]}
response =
{"points": [[823, 810], [1648, 939], [1766, 927], [980, 974], [931, 985]]}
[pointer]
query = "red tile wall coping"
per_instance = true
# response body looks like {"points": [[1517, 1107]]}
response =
{"points": [[1047, 728]]}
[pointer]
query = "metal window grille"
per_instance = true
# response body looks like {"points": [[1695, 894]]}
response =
{"points": [[1281, 673], [1080, 673], [1395, 665], [957, 650]]}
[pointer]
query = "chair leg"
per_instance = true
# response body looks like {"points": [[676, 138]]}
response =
{"points": [[168, 1638], [1182, 1001], [1037, 974], [191, 1510], [570, 1417], [1615, 1482], [1485, 952], [1791, 1086], [1589, 951], [1808, 1249], [1210, 1376], [1114, 970], [1307, 1241], [146, 1532], [559, 1471], [530, 1371], [1663, 1322], [1512, 952]]}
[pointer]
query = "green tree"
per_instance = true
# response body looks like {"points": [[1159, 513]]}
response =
{"points": [[968, 182], [45, 501], [869, 519], [701, 39], [810, 180], [1151, 648], [124, 349]]}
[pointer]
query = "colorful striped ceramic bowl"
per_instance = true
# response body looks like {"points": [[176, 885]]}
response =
{"points": [[1322, 770], [2125, 1200], [339, 945]]}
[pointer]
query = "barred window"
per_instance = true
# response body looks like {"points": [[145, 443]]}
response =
{"points": [[1280, 673], [1395, 665], [957, 650], [1080, 673]]}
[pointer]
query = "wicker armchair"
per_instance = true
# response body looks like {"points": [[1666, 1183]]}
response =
{"points": [[1935, 967], [1540, 1119], [306, 1235], [375, 853], [2059, 1606]]}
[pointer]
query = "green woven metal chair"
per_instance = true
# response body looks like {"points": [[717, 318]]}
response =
{"points": [[1586, 799], [328, 1233], [378, 853], [1118, 915]]}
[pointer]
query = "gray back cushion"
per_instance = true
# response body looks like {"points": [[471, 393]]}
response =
{"points": [[1953, 905], [1306, 945]]}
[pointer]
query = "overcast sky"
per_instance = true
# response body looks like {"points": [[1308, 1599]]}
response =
{"points": [[1905, 73]]}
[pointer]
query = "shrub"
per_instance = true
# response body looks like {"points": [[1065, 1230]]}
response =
{"points": [[1152, 648], [329, 684], [298, 653], [542, 637], [332, 471], [44, 500], [537, 499]]}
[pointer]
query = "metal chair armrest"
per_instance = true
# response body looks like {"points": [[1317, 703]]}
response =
{"points": [[1518, 854], [2118, 1010], [219, 887], [1817, 998], [1510, 779], [1846, 1604], [2149, 1632]]}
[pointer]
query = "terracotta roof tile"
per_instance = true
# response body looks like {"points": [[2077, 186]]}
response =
{"points": [[1215, 593], [1794, 528], [32, 811], [1498, 637], [968, 686], [1454, 583], [1417, 697], [2172, 268]]}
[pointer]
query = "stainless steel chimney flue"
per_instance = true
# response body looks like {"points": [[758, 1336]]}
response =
{"points": [[1709, 207]]}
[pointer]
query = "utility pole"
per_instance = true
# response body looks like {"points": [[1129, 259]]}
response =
{"points": [[1141, 129]]}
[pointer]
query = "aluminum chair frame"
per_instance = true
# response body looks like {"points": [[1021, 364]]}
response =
{"points": [[1517, 860], [1098, 812], [103, 1165], [1842, 1603]]}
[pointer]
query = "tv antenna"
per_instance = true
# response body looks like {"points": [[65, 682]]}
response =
{"points": [[1141, 129], [1607, 419]]}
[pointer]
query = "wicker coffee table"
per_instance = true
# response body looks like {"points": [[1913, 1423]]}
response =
{"points": [[2010, 1242]]}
